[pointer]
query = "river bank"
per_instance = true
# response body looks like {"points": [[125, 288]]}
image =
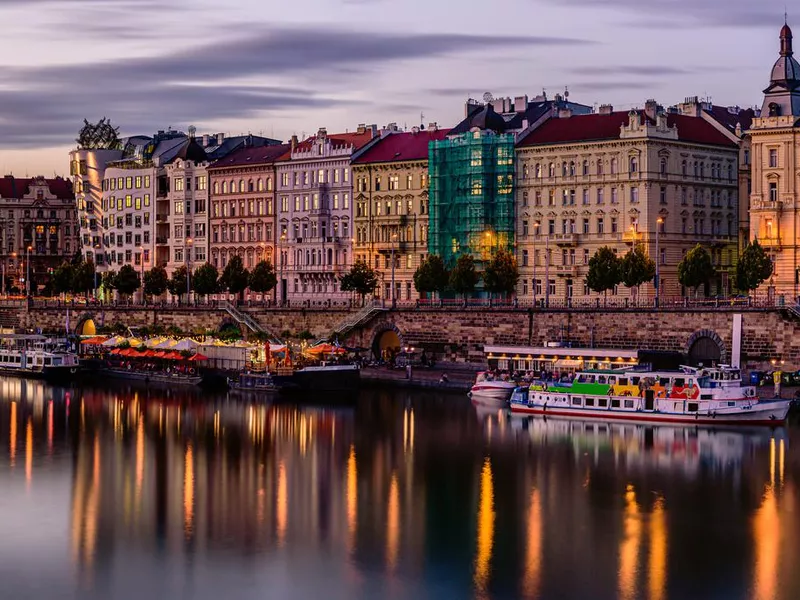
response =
{"points": [[459, 379]]}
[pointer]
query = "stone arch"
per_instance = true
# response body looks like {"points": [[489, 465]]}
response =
{"points": [[705, 346], [86, 325], [384, 334], [229, 323]]}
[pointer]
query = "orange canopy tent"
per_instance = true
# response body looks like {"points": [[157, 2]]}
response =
{"points": [[94, 341], [198, 357]]}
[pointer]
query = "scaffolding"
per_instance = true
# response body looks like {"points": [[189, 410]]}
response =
{"points": [[471, 195]]}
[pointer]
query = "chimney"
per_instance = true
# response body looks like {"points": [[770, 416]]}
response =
{"points": [[564, 113], [414, 130], [205, 140], [433, 126], [362, 129], [651, 109], [373, 131], [521, 103], [220, 138], [293, 142], [605, 109]]}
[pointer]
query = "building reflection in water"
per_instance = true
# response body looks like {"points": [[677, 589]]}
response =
{"points": [[406, 487]]}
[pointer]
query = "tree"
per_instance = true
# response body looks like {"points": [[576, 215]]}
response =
{"points": [[754, 267], [234, 276], [205, 279], [155, 281], [109, 281], [636, 267], [263, 278], [62, 278], [432, 275], [177, 283], [464, 277], [361, 279], [696, 268], [604, 271], [501, 274], [127, 280], [83, 278]]}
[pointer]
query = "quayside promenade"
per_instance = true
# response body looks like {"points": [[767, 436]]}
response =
{"points": [[456, 332]]}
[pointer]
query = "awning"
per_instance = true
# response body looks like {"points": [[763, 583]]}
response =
{"points": [[198, 357], [569, 363]]}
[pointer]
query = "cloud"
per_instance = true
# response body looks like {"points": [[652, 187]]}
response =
{"points": [[45, 105], [687, 13], [612, 86], [632, 70]]}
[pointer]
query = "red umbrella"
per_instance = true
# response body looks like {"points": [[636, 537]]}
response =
{"points": [[199, 357], [174, 356]]}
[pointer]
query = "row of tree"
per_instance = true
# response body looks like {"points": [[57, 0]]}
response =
{"points": [[79, 278]]}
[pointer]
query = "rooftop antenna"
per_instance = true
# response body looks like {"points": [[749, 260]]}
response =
{"points": [[422, 119]]}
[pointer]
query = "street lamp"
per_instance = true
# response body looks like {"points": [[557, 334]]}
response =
{"points": [[547, 270], [659, 222], [280, 267], [94, 262], [28, 274], [394, 298], [536, 225], [141, 264], [188, 267]]}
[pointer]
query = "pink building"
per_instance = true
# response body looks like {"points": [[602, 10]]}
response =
{"points": [[315, 214]]}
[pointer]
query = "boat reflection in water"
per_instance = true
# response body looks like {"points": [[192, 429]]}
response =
{"points": [[130, 492]]}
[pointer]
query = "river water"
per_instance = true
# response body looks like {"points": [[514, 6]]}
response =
{"points": [[120, 492]]}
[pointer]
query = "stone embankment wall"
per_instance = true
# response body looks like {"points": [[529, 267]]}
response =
{"points": [[460, 335]]}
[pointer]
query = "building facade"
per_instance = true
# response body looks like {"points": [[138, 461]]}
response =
{"points": [[775, 140], [315, 214], [391, 207], [38, 229], [242, 211], [618, 179]]}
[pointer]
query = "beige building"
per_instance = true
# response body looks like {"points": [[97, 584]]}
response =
{"points": [[618, 178], [391, 208], [775, 139]]}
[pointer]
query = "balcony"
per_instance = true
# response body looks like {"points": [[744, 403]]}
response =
{"points": [[771, 242], [161, 241], [566, 239], [566, 270], [162, 217]]}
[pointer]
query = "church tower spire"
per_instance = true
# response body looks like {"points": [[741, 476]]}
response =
{"points": [[782, 97]]}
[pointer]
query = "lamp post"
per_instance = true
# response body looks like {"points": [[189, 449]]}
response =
{"points": [[15, 266], [394, 299], [659, 222], [141, 264], [94, 262], [535, 233], [28, 274], [280, 268], [188, 268], [547, 270]]}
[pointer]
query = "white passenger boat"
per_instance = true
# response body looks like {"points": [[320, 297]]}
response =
{"points": [[36, 356], [702, 396], [487, 387]]}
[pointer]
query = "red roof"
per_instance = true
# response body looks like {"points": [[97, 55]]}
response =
{"points": [[404, 145], [16, 187], [596, 127], [355, 139], [730, 117], [261, 155]]}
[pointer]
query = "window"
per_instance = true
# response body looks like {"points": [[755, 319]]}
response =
{"points": [[663, 167], [613, 195], [585, 197], [179, 207], [634, 194], [634, 165], [138, 182], [524, 258], [600, 195], [773, 158], [773, 192], [600, 225], [586, 226], [663, 194], [613, 166], [613, 224], [177, 184], [585, 168]]}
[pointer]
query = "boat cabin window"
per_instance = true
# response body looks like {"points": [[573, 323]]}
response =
{"points": [[679, 382], [614, 403], [589, 401], [612, 380], [601, 379], [602, 402], [635, 380], [731, 403], [663, 381], [576, 401], [692, 407], [628, 403], [623, 381]]}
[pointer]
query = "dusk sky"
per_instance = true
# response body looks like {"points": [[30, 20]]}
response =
{"points": [[278, 68]]}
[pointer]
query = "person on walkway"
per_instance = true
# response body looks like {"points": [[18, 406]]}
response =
{"points": [[776, 378]]}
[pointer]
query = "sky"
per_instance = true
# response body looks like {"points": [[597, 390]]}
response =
{"points": [[279, 68]]}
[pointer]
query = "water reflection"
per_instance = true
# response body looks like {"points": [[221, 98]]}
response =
{"points": [[436, 496]]}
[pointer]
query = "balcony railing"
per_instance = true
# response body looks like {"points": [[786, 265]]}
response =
{"points": [[566, 239]]}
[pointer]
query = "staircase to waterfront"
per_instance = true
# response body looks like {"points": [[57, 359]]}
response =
{"points": [[365, 315], [248, 321]]}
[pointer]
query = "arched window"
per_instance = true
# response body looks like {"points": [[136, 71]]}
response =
{"points": [[537, 171], [524, 171], [613, 166], [634, 165], [571, 168], [683, 167], [730, 172], [551, 170], [663, 166], [224, 187], [600, 167], [216, 187], [702, 170], [250, 186], [585, 169], [260, 185], [241, 185], [564, 169], [269, 184]]}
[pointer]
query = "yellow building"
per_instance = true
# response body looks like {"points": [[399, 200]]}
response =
{"points": [[662, 179], [391, 208], [775, 140]]}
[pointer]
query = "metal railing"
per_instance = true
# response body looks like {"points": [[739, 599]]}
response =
{"points": [[361, 317], [246, 320]]}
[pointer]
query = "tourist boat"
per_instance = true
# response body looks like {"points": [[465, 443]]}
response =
{"points": [[322, 378], [692, 395], [151, 376], [488, 388], [37, 356], [253, 382]]}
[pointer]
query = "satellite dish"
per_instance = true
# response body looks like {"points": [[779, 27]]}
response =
{"points": [[487, 97]]}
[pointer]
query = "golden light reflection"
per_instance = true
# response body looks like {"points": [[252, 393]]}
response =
{"points": [[483, 556], [188, 491], [766, 534], [629, 547], [657, 568], [772, 461], [50, 428], [408, 429], [393, 524], [90, 525], [781, 460], [12, 436], [533, 560], [28, 452], [352, 497], [139, 460], [282, 504]]}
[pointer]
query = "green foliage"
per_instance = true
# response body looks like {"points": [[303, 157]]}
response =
{"points": [[177, 283], [155, 281], [604, 270], [636, 267], [263, 278], [464, 277], [174, 330], [696, 268], [83, 278], [361, 279], [205, 280], [501, 274], [127, 280], [109, 280], [754, 267], [234, 276], [432, 275], [62, 278], [305, 335]]}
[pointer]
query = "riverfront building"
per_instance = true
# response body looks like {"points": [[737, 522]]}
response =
{"points": [[242, 213], [391, 207], [315, 214], [37, 226], [622, 178], [775, 198]]}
